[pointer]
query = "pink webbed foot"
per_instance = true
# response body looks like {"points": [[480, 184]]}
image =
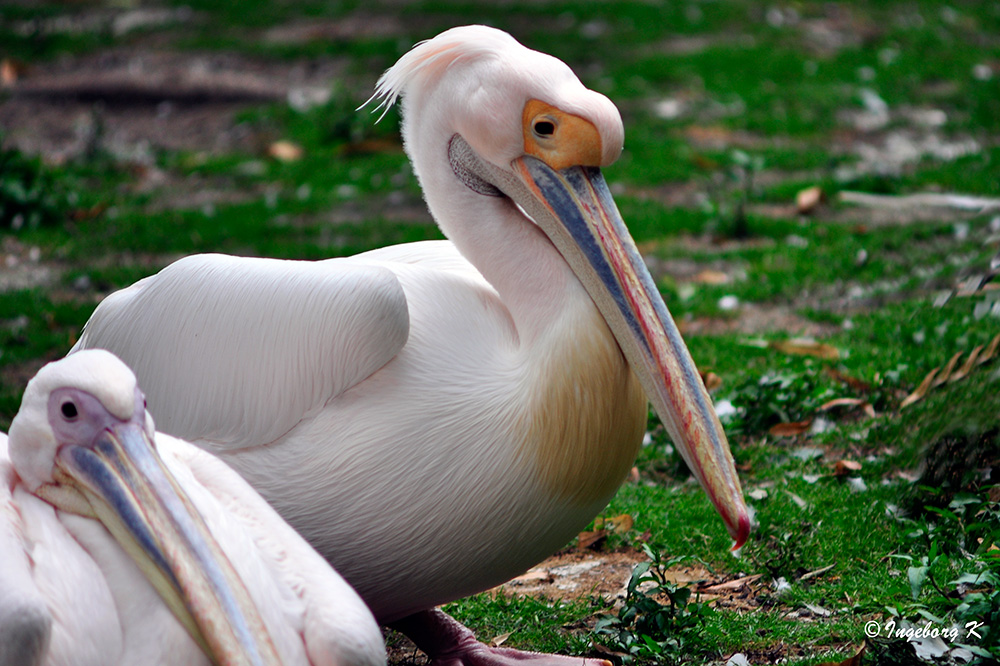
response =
{"points": [[448, 643]]}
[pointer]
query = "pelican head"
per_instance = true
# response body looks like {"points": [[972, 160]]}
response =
{"points": [[83, 441], [525, 136]]}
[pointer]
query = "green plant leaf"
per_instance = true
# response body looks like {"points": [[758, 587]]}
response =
{"points": [[916, 576], [927, 615]]}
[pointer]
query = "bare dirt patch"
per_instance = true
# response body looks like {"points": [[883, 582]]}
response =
{"points": [[757, 319], [133, 101], [349, 27], [578, 574], [22, 267], [575, 574], [583, 573]]}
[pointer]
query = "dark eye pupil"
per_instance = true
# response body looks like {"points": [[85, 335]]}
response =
{"points": [[544, 128], [69, 410]]}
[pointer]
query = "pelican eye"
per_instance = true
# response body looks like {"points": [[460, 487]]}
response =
{"points": [[544, 128], [69, 410]]}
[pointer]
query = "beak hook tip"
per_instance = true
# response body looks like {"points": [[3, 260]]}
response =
{"points": [[742, 531]]}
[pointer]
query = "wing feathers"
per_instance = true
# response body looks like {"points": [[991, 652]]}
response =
{"points": [[238, 350]]}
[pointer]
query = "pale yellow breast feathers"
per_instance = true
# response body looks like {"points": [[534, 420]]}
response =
{"points": [[587, 416]]}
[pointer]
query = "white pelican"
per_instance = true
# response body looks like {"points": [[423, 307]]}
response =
{"points": [[98, 519], [438, 417]]}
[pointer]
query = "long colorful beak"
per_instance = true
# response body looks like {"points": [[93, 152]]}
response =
{"points": [[574, 207], [132, 492]]}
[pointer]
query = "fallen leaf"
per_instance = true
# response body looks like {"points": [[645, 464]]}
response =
{"points": [[285, 151], [602, 528], [619, 524], [967, 367], [790, 429], [817, 572], [939, 376], [497, 641], [991, 351], [730, 584], [841, 402], [845, 467], [944, 374], [921, 391], [709, 276], [757, 494], [808, 199], [865, 406], [591, 539], [805, 347], [818, 610], [10, 72]]}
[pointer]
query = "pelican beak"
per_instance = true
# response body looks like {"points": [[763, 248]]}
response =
{"points": [[130, 489], [574, 208]]}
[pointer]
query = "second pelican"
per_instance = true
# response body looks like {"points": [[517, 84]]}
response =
{"points": [[121, 546]]}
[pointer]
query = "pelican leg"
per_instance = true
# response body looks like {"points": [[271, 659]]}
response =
{"points": [[448, 643]]}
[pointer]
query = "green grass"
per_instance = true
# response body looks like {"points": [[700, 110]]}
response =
{"points": [[528, 620], [775, 102]]}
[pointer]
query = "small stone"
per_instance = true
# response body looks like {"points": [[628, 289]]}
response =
{"points": [[982, 72], [729, 302]]}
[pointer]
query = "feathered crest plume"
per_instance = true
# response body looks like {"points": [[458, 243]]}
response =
{"points": [[441, 52]]}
